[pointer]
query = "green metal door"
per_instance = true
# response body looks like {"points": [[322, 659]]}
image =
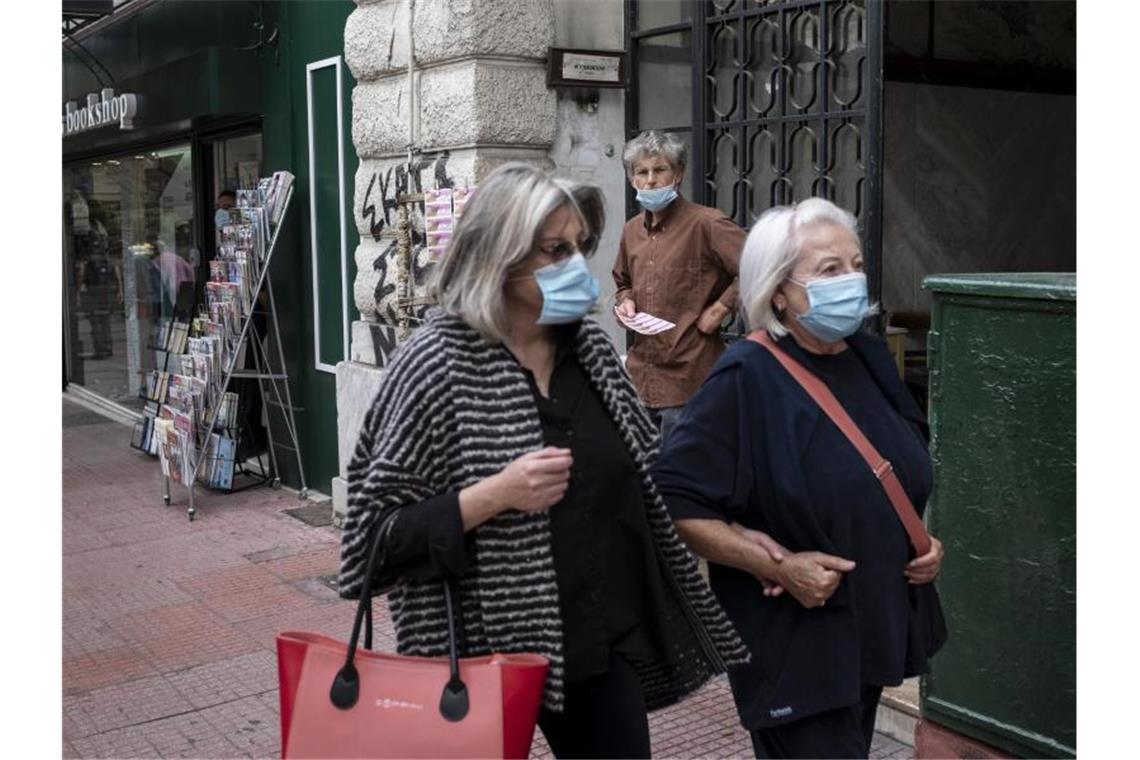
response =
{"points": [[1003, 420]]}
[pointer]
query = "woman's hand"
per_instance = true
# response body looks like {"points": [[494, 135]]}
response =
{"points": [[536, 481], [626, 308], [812, 577], [775, 551], [532, 483], [924, 569]]}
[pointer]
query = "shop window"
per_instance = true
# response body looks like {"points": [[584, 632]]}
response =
{"points": [[132, 264]]}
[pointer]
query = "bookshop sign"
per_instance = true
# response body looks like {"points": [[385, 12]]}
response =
{"points": [[102, 110]]}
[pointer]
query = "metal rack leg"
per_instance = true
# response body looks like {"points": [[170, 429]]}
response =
{"points": [[264, 366], [166, 491], [292, 423], [190, 509]]}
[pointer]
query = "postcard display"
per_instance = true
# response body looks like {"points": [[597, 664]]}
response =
{"points": [[191, 417]]}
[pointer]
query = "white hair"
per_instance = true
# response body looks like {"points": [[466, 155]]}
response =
{"points": [[655, 143], [770, 254], [498, 230]]}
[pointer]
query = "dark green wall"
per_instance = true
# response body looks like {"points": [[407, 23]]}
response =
{"points": [[311, 30]]}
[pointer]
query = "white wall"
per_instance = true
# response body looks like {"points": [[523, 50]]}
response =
{"points": [[588, 142]]}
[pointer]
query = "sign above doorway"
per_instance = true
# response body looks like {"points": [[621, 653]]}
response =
{"points": [[102, 110]]}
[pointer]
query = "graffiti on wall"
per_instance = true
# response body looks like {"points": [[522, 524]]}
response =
{"points": [[379, 209], [384, 187]]}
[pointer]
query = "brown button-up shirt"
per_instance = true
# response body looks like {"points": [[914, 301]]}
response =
{"points": [[675, 269]]}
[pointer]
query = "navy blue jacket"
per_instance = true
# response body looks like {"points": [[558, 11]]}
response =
{"points": [[754, 448]]}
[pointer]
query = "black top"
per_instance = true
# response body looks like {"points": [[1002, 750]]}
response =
{"points": [[754, 448], [878, 541], [604, 557]]}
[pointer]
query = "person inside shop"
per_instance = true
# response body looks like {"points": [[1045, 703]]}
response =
{"points": [[511, 453], [175, 275], [806, 552], [225, 201], [99, 281], [678, 261]]}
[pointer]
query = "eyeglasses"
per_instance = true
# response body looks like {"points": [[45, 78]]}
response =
{"points": [[562, 249]]}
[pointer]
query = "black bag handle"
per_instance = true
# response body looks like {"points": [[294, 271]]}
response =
{"points": [[453, 702]]}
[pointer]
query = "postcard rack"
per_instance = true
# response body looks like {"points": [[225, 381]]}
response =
{"points": [[234, 303]]}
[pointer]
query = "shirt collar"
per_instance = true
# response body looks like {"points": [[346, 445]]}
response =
{"points": [[662, 218]]}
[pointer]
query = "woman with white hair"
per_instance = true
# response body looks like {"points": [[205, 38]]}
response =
{"points": [[806, 551], [507, 453]]}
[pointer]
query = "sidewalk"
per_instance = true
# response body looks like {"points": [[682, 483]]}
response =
{"points": [[168, 640]]}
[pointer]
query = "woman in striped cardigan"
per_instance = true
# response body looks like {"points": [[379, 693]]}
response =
{"points": [[509, 448]]}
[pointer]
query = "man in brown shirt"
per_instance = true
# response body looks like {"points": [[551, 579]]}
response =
{"points": [[678, 261]]}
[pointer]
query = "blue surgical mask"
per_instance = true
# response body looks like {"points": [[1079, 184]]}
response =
{"points": [[569, 291], [656, 199], [838, 306], [221, 218]]}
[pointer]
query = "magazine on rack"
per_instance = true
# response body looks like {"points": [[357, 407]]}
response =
{"points": [[185, 395], [275, 196], [224, 466]]}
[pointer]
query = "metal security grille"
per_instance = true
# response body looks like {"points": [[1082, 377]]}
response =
{"points": [[785, 102]]}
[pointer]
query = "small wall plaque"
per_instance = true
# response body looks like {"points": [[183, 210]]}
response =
{"points": [[568, 67]]}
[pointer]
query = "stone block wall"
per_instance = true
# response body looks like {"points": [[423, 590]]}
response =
{"points": [[477, 98]]}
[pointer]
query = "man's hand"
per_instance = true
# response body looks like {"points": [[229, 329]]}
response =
{"points": [[626, 308], [710, 319]]}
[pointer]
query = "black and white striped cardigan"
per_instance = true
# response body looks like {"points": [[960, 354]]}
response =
{"points": [[454, 408]]}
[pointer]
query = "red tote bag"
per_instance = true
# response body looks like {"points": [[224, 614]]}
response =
{"points": [[338, 701]]}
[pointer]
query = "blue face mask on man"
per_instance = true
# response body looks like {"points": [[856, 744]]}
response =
{"points": [[656, 199], [569, 291], [221, 218], [838, 306]]}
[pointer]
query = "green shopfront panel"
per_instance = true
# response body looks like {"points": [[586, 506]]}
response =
{"points": [[1003, 420], [312, 279]]}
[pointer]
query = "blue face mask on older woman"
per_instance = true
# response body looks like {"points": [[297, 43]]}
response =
{"points": [[838, 306], [569, 291]]}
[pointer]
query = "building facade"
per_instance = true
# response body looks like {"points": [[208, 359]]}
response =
{"points": [[948, 128], [223, 93]]}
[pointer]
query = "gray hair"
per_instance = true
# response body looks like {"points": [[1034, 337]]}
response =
{"points": [[655, 143], [771, 252], [498, 230]]}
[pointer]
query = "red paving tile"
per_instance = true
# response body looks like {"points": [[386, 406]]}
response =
{"points": [[334, 619], [258, 602], [307, 565], [93, 670], [228, 580], [170, 626], [182, 635]]}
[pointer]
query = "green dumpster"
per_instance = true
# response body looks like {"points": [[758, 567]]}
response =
{"points": [[1003, 371]]}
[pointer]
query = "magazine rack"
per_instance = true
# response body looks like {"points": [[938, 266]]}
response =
{"points": [[269, 371]]}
